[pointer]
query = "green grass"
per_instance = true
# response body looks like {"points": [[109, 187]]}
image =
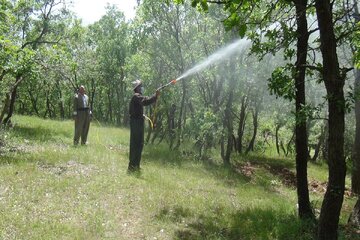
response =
{"points": [[50, 189]]}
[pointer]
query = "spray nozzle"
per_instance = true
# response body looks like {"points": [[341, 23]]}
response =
{"points": [[171, 82]]}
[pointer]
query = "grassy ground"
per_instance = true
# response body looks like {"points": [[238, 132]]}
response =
{"points": [[50, 189]]}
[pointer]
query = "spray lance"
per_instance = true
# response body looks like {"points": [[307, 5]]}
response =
{"points": [[166, 85], [153, 121]]}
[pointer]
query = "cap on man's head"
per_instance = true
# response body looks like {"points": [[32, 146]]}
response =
{"points": [[136, 83], [81, 89]]}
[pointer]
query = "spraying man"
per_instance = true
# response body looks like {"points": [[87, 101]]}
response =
{"points": [[136, 111], [82, 116]]}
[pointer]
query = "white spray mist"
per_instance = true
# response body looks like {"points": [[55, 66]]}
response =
{"points": [[234, 48]]}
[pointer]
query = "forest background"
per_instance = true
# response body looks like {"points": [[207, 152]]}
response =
{"points": [[292, 91]]}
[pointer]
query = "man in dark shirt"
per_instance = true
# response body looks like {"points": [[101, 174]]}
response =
{"points": [[136, 111]]}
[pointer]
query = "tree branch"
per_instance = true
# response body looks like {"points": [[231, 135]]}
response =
{"points": [[218, 2], [313, 68]]}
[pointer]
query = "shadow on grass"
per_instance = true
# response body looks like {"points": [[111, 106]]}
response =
{"points": [[275, 163], [40, 133], [175, 214], [231, 175], [10, 159], [248, 224], [172, 158], [162, 155]]}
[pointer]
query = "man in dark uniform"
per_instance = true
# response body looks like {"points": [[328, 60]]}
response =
{"points": [[136, 111], [82, 116]]}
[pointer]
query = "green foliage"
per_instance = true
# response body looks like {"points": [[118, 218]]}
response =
{"points": [[28, 27], [281, 82], [203, 4], [204, 127]]}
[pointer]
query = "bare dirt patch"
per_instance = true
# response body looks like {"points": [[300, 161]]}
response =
{"points": [[247, 169], [320, 187], [288, 177], [117, 148], [29, 147], [71, 168]]}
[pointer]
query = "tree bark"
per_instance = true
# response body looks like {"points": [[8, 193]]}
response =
{"points": [[61, 101], [241, 126], [301, 139], [229, 127], [277, 128], [33, 102], [334, 83], [228, 121], [171, 124], [48, 106], [119, 105], [5, 107], [355, 178], [354, 218], [176, 35], [255, 125], [92, 94], [11, 106], [110, 110], [321, 141], [10, 101], [181, 113]]}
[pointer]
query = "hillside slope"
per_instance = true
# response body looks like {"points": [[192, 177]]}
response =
{"points": [[50, 189]]}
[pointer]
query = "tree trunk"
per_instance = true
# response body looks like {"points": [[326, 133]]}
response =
{"points": [[283, 148], [228, 115], [241, 126], [5, 107], [228, 125], [110, 110], [171, 125], [222, 148], [354, 218], [61, 103], [301, 139], [47, 104], [177, 36], [277, 128], [255, 124], [325, 147], [10, 101], [158, 129], [321, 141], [11, 106], [33, 102], [355, 178], [119, 105], [123, 111], [334, 83], [92, 94]]}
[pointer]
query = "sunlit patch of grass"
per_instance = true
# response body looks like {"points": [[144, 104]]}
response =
{"points": [[318, 171]]}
